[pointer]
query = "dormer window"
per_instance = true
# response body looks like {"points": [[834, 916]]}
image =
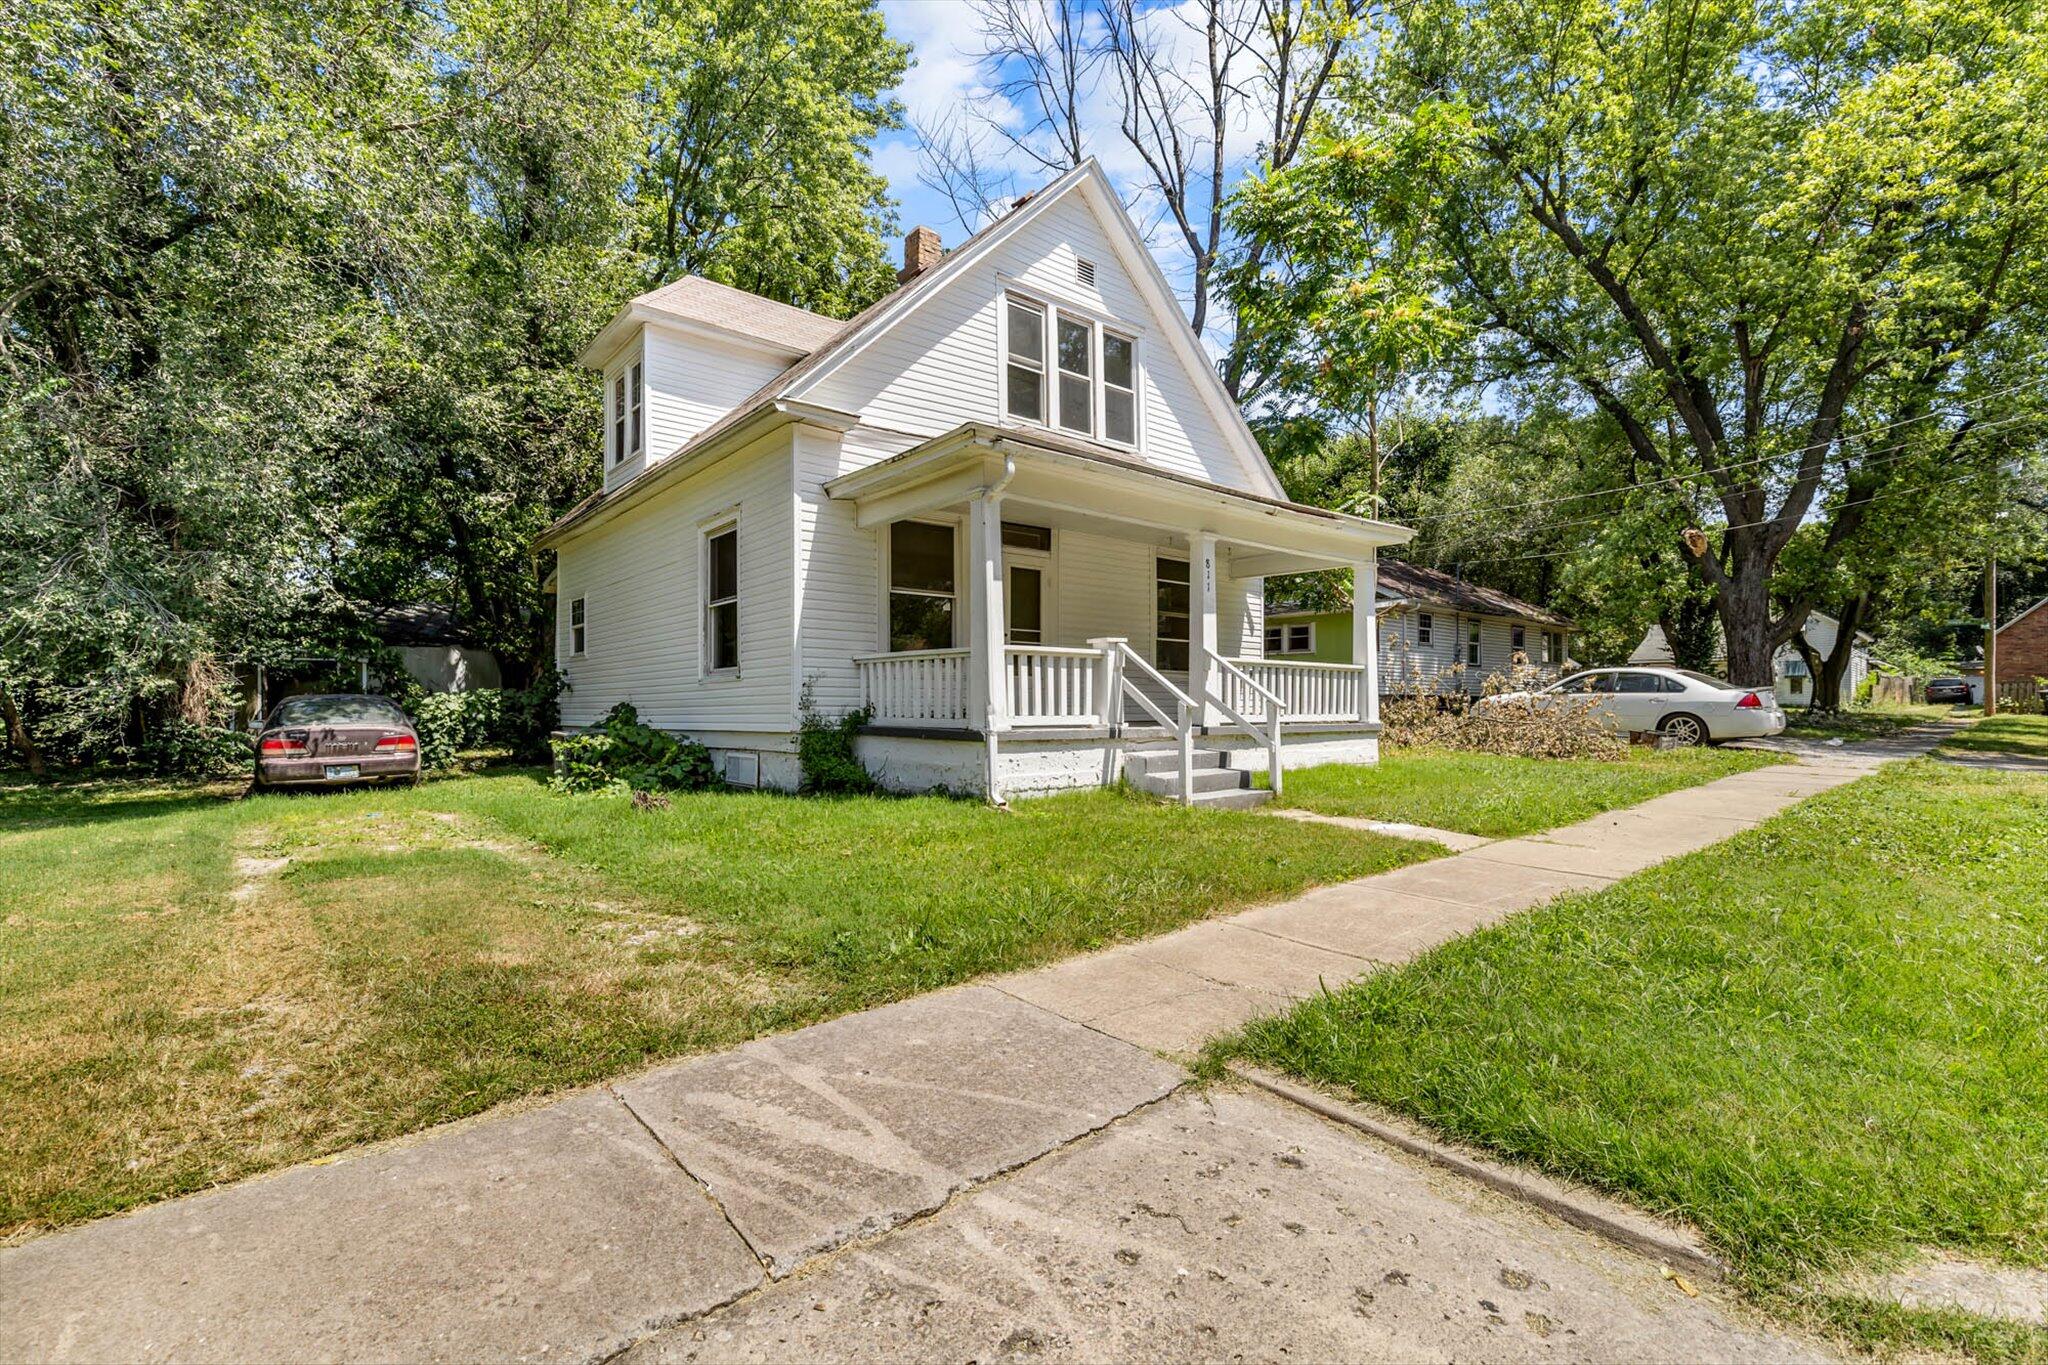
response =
{"points": [[629, 418], [1088, 384]]}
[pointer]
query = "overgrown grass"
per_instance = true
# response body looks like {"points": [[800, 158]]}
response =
{"points": [[1868, 722], [2026, 736], [194, 988], [1492, 795], [1821, 1041]]}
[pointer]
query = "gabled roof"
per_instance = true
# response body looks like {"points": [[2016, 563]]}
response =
{"points": [[696, 299], [789, 386], [2023, 615], [1402, 581]]}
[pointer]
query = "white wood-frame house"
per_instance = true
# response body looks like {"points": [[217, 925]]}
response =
{"points": [[1009, 511]]}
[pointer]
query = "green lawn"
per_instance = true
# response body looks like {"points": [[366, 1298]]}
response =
{"points": [[1868, 722], [1489, 795], [194, 988], [1822, 1042], [2024, 736]]}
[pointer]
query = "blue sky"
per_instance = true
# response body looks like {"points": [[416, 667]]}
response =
{"points": [[946, 81]]}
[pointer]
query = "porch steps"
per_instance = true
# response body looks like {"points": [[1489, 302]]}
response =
{"points": [[1157, 772]]}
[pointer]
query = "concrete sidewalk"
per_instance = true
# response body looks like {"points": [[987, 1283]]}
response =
{"points": [[1135, 1220]]}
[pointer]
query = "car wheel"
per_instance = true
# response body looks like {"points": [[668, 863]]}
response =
{"points": [[1684, 730]]}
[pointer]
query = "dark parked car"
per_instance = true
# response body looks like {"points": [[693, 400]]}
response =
{"points": [[334, 740], [1947, 689]]}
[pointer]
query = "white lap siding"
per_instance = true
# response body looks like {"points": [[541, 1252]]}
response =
{"points": [[941, 364], [639, 578]]}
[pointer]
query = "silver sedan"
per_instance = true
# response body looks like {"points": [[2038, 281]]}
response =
{"points": [[1684, 707]]}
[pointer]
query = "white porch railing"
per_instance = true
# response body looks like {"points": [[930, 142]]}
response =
{"points": [[1307, 691], [917, 687], [1049, 686], [1227, 680]]}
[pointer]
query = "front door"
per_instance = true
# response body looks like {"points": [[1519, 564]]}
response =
{"points": [[1024, 602]]}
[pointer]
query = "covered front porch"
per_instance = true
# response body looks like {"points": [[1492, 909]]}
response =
{"points": [[1057, 607]]}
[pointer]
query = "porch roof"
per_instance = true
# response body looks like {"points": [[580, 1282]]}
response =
{"points": [[1038, 467]]}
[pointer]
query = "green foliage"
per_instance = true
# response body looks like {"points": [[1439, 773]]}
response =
{"points": [[824, 751], [292, 297], [519, 719], [1745, 234], [622, 754], [175, 747]]}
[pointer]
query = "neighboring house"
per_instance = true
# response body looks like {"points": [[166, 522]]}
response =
{"points": [[2023, 645], [1008, 511], [1793, 684], [1436, 631], [438, 653]]}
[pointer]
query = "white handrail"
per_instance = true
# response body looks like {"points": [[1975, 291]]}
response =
{"points": [[1120, 654], [1275, 709]]}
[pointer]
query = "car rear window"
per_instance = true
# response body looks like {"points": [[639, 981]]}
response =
{"points": [[337, 711], [1944, 682], [1706, 678]]}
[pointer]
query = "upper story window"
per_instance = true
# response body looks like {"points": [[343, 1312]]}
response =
{"points": [[629, 416], [1085, 381], [722, 598], [1024, 385]]}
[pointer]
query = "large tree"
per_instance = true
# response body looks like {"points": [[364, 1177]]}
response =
{"points": [[1791, 233]]}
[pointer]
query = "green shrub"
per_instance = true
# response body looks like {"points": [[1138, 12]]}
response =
{"points": [[622, 754], [177, 748], [824, 751], [518, 719]]}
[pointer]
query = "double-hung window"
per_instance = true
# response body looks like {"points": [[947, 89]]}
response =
{"points": [[1292, 637], [1061, 369], [1077, 371], [1425, 628], [722, 598], [629, 416], [1472, 644], [1170, 646], [1119, 389], [576, 626], [1518, 639], [922, 586], [1024, 375]]}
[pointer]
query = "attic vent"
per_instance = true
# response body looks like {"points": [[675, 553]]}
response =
{"points": [[1084, 271]]}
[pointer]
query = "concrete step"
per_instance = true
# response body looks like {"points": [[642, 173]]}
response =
{"points": [[1168, 760], [1242, 798], [1206, 780]]}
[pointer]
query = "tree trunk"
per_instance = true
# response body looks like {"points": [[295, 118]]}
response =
{"points": [[17, 735], [1827, 679], [1745, 603]]}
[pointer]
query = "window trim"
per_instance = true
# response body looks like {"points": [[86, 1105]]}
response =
{"points": [[1046, 346], [1052, 308], [1092, 377], [709, 530], [1286, 628], [625, 410], [956, 525], [636, 401], [579, 626]]}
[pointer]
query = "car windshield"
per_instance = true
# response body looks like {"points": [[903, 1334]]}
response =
{"points": [[337, 711]]}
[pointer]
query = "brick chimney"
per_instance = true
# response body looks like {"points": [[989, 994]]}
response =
{"points": [[921, 251]]}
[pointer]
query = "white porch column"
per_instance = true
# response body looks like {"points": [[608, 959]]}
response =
{"points": [[1203, 636], [1365, 634], [988, 701]]}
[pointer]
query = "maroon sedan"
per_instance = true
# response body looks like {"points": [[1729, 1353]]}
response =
{"points": [[335, 740]]}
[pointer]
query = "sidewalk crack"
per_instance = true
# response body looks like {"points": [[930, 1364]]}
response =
{"points": [[694, 1179]]}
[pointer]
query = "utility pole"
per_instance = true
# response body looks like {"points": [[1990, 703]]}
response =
{"points": [[1991, 636]]}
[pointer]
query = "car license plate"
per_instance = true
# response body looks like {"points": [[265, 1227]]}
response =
{"points": [[337, 771]]}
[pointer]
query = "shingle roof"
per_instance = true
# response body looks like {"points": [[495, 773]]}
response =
{"points": [[735, 310], [1398, 578]]}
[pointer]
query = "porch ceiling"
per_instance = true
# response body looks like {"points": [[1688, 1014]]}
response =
{"points": [[1085, 486]]}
